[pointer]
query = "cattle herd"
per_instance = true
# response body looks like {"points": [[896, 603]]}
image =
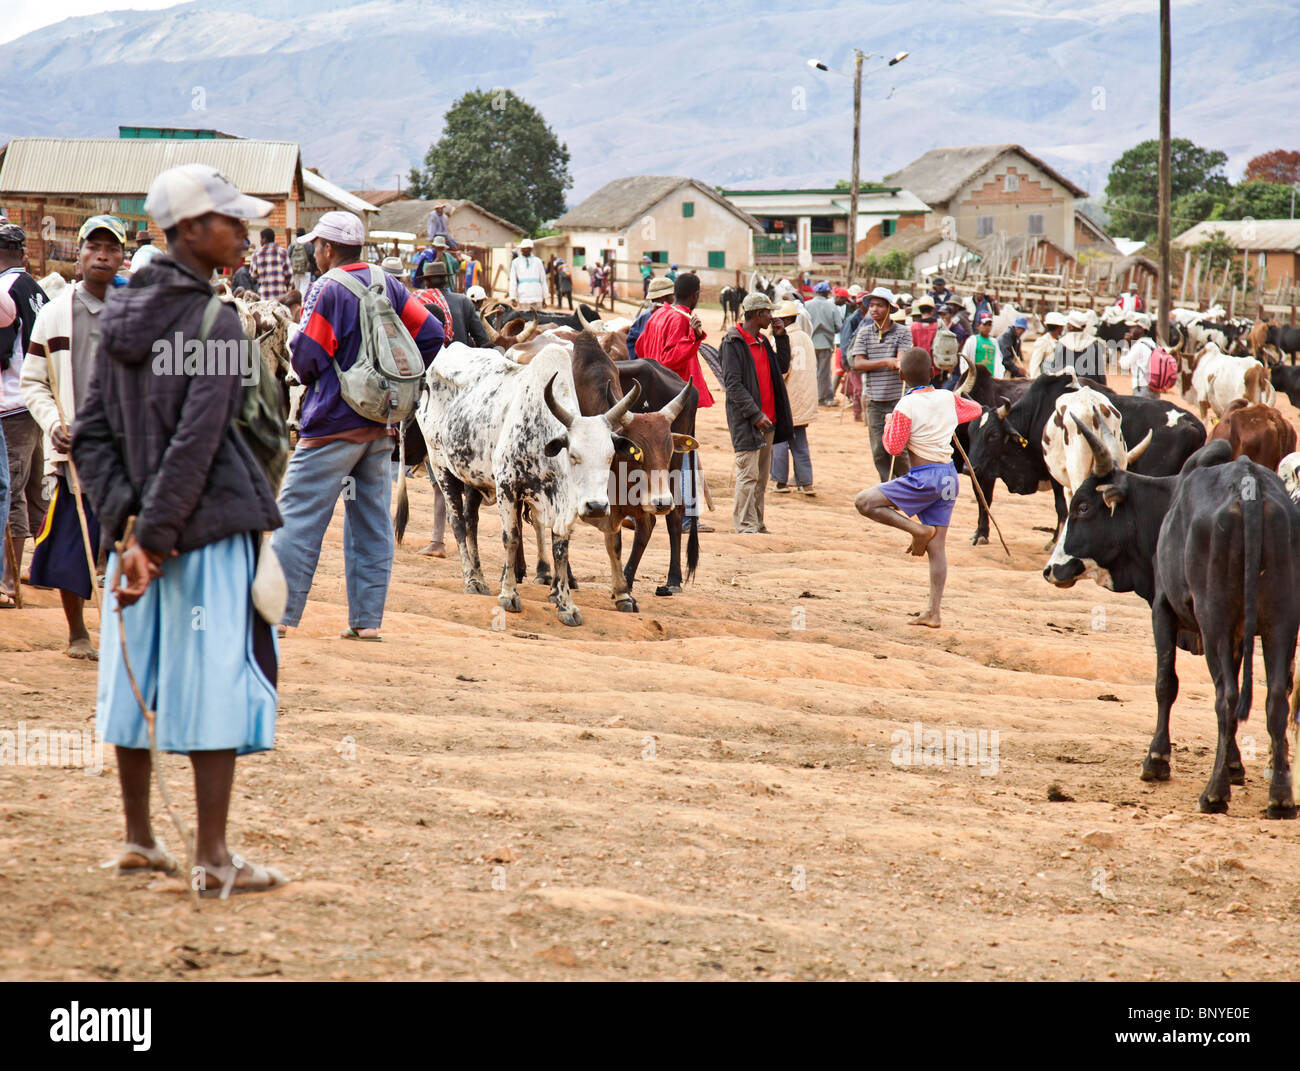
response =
{"points": [[555, 424]]}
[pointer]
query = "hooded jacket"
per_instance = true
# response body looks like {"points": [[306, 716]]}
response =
{"points": [[740, 381], [155, 438]]}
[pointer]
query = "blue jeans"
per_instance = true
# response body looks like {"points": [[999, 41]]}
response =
{"points": [[690, 488], [317, 476], [798, 446]]}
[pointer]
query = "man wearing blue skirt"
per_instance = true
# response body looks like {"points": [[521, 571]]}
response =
{"points": [[154, 441]]}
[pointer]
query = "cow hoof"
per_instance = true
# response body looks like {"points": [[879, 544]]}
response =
{"points": [[476, 587], [1208, 806], [1237, 774], [626, 606], [1155, 769], [571, 617], [543, 578], [978, 540], [511, 604], [664, 590], [1281, 808]]}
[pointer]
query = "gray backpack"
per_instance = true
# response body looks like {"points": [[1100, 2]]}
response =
{"points": [[944, 350], [385, 381]]}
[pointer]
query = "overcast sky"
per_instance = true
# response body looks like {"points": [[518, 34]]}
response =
{"points": [[24, 16]]}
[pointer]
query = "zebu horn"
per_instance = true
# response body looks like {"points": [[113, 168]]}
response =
{"points": [[492, 333], [673, 409], [968, 380], [1103, 463], [1139, 450], [557, 410], [528, 331], [615, 416], [586, 324], [1003, 410]]}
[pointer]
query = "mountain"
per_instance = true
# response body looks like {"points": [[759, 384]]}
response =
{"points": [[718, 91]]}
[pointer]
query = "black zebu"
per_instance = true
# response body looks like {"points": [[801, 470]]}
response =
{"points": [[1196, 546]]}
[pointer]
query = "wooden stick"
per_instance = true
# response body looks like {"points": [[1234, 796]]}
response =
{"points": [[14, 566], [75, 484], [150, 716], [980, 494]]}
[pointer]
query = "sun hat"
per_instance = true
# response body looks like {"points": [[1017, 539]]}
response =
{"points": [[786, 308], [855, 290], [339, 228], [1076, 318], [660, 286], [881, 292], [1054, 319], [392, 265], [899, 316], [193, 190], [1021, 321]]}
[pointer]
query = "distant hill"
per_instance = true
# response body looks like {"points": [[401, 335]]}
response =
{"points": [[719, 91]]}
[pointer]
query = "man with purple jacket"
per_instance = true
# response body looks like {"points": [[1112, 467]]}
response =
{"points": [[340, 452]]}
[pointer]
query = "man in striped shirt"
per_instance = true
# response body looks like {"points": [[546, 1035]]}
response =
{"points": [[270, 268], [875, 353]]}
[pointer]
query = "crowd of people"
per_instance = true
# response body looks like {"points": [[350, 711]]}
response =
{"points": [[160, 463]]}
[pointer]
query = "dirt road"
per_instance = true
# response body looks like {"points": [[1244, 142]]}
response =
{"points": [[717, 787]]}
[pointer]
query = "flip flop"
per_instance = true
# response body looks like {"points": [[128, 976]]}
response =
{"points": [[352, 634], [156, 858], [7, 601], [261, 879]]}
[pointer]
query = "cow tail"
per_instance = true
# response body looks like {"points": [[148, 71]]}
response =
{"points": [[693, 540], [1253, 524], [403, 504]]}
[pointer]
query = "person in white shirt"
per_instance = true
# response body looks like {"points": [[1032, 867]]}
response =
{"points": [[1137, 360], [1045, 345], [529, 289], [145, 251], [1129, 300]]}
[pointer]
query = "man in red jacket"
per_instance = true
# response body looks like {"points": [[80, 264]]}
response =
{"points": [[672, 336]]}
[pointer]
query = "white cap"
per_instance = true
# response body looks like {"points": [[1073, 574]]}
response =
{"points": [[854, 290], [1077, 318], [1054, 319], [342, 228], [193, 190], [526, 243], [392, 265], [476, 293]]}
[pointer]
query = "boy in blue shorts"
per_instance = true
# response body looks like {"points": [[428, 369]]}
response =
{"points": [[923, 424]]}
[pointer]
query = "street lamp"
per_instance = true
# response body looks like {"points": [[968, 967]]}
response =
{"points": [[858, 57]]}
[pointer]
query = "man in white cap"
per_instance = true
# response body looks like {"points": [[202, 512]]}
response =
{"points": [[341, 453], [851, 381], [1045, 345], [528, 287], [875, 352], [1079, 349], [178, 487], [1137, 360]]}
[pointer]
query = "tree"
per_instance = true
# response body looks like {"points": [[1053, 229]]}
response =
{"points": [[498, 151], [1191, 208], [1280, 165], [1218, 252], [1259, 200], [1132, 187]]}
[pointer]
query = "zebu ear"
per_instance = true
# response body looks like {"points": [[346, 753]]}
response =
{"points": [[1112, 494], [560, 442], [625, 447], [684, 444]]}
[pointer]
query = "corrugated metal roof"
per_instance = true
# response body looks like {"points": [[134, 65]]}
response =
{"points": [[125, 167], [341, 197], [1253, 234]]}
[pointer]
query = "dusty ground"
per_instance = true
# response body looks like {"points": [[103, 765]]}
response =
{"points": [[704, 790]]}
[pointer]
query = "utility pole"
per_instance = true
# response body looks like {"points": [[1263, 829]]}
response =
{"points": [[1162, 329], [857, 146]]}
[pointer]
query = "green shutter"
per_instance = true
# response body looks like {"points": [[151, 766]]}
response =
{"points": [[688, 209], [579, 260], [717, 258]]}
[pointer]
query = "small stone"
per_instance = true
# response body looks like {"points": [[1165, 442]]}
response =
{"points": [[1099, 838]]}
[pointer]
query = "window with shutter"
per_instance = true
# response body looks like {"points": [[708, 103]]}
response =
{"points": [[1011, 183], [984, 227], [688, 209], [717, 258], [1035, 223]]}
